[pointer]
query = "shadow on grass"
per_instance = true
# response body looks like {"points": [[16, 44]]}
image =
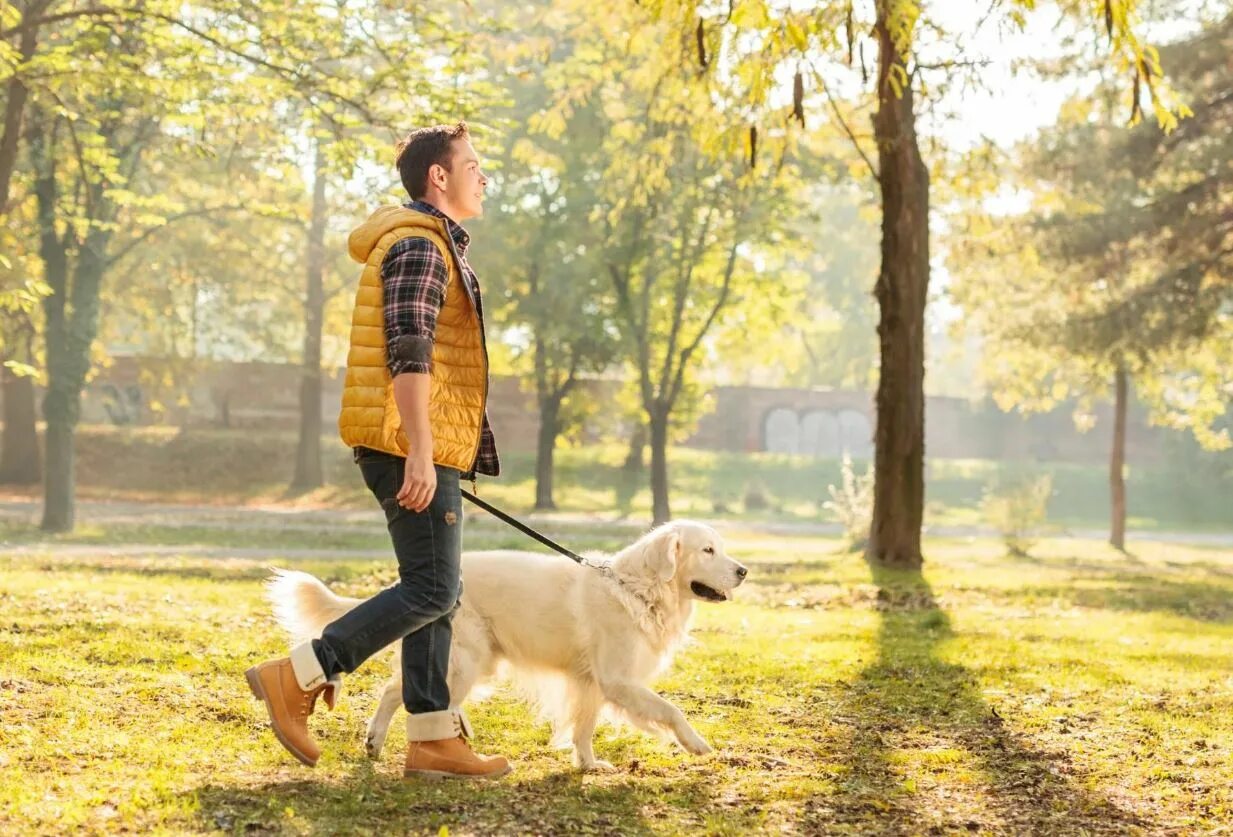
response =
{"points": [[1206, 601], [927, 754], [375, 801]]}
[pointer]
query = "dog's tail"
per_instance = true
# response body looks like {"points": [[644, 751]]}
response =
{"points": [[303, 605]]}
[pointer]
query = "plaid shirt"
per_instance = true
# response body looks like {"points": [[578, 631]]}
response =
{"points": [[413, 280]]}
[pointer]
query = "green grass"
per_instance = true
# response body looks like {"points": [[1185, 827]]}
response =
{"points": [[1075, 691], [213, 466]]}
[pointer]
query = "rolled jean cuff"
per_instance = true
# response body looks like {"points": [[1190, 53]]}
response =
{"points": [[437, 726]]}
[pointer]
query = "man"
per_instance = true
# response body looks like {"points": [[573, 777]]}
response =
{"points": [[414, 413]]}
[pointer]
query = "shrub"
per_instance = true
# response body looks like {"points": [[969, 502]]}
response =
{"points": [[851, 503], [1018, 509]]}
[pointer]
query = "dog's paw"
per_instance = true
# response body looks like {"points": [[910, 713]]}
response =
{"points": [[598, 766], [696, 745]]}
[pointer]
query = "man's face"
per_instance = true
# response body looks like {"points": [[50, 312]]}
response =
{"points": [[465, 182]]}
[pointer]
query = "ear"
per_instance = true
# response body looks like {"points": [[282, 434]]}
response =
{"points": [[437, 175], [663, 556]]}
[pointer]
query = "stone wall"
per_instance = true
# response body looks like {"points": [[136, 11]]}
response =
{"points": [[822, 423]]}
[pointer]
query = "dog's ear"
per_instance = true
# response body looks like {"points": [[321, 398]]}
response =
{"points": [[664, 555]]}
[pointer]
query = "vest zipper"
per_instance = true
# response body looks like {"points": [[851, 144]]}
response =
{"points": [[466, 286]]}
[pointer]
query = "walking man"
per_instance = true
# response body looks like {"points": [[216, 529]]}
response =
{"points": [[414, 413]]}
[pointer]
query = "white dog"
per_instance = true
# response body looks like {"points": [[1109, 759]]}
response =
{"points": [[585, 637]]}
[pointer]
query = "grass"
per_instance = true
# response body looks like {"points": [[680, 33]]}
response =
{"points": [[248, 467], [1078, 691]]}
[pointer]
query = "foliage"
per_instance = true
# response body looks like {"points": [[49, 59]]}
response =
{"points": [[1017, 509], [851, 503], [1122, 260]]}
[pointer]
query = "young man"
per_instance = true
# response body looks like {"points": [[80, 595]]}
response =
{"points": [[414, 413]]}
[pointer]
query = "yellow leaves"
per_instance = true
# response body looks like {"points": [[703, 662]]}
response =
{"points": [[751, 14], [21, 370], [897, 77], [796, 34], [549, 122], [900, 25], [531, 155]]}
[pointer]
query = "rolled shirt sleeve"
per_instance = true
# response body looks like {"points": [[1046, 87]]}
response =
{"points": [[413, 280]]}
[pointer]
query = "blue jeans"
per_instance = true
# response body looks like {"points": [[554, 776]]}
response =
{"points": [[420, 607]]}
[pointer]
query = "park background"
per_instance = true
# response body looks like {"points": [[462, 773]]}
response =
{"points": [[927, 306]]}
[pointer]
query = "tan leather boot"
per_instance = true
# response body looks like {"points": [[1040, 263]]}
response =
{"points": [[289, 705], [447, 758]]}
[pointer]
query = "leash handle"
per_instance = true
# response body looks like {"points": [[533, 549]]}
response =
{"points": [[522, 527]]}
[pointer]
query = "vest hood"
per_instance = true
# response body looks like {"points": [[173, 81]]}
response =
{"points": [[364, 238]]}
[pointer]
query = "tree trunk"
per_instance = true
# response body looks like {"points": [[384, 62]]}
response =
{"points": [[20, 463], [549, 427], [660, 512], [1117, 462], [15, 105], [58, 402], [637, 443], [899, 488], [59, 486], [308, 454], [68, 356]]}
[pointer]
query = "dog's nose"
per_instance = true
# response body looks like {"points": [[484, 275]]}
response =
{"points": [[741, 572]]}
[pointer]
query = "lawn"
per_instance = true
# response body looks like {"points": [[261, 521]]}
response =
{"points": [[241, 466], [1078, 690]]}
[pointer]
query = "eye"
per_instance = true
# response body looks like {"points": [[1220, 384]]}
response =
{"points": [[710, 550]]}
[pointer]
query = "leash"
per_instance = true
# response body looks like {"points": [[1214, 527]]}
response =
{"points": [[522, 527]]}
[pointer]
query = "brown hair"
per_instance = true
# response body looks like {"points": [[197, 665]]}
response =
{"points": [[423, 148]]}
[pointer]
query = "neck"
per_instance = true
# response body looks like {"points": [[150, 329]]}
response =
{"points": [[662, 609], [443, 206]]}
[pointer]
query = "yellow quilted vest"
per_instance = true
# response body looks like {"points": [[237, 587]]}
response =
{"points": [[369, 415]]}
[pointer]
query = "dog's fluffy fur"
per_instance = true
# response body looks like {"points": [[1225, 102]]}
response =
{"points": [[586, 638]]}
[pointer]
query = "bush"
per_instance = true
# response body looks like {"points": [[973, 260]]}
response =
{"points": [[1018, 509], [756, 497], [852, 503]]}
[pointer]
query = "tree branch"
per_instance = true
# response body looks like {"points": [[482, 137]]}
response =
{"points": [[192, 213], [873, 170]]}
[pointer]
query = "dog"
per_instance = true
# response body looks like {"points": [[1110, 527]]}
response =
{"points": [[582, 638]]}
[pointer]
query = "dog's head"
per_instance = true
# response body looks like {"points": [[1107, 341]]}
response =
{"points": [[692, 555]]}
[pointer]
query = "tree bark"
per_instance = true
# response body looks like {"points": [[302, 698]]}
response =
{"points": [[637, 444], [1117, 462], [308, 473], [66, 377], [899, 488], [15, 104], [20, 462], [72, 315], [549, 428], [660, 512], [58, 403]]}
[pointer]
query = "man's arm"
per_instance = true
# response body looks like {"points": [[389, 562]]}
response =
{"points": [[413, 277], [419, 482]]}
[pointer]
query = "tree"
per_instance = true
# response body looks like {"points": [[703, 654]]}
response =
{"points": [[150, 80], [763, 43], [675, 227], [681, 233], [1119, 273], [540, 252]]}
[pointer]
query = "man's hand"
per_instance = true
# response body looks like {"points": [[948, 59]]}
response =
{"points": [[419, 482]]}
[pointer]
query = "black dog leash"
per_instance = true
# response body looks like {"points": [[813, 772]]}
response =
{"points": [[522, 527]]}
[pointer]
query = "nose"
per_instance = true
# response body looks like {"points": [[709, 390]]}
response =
{"points": [[741, 572]]}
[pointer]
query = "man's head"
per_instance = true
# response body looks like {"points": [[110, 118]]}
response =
{"points": [[439, 166]]}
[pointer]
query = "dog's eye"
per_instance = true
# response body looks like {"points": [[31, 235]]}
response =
{"points": [[710, 550]]}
